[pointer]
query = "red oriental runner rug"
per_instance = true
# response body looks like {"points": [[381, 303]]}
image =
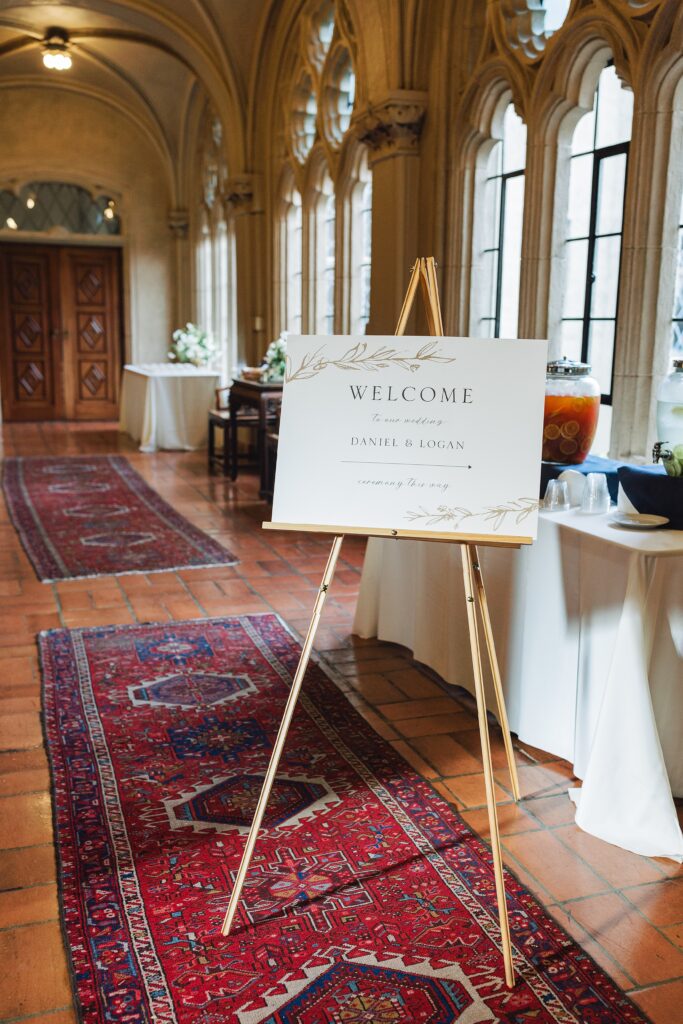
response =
{"points": [[93, 515], [369, 901]]}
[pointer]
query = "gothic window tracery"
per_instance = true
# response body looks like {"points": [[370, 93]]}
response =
{"points": [[325, 223], [528, 24]]}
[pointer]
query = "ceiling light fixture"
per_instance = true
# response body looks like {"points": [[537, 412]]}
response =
{"points": [[56, 54]]}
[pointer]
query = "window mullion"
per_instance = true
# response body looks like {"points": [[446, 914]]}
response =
{"points": [[608, 398], [590, 257], [501, 243]]}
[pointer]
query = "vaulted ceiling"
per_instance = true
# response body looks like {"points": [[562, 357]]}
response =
{"points": [[145, 57]]}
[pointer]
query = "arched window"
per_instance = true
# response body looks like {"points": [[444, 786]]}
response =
{"points": [[357, 235], [293, 280], [330, 248], [365, 262], [597, 180], [204, 277], [224, 312], [503, 209], [325, 256]]}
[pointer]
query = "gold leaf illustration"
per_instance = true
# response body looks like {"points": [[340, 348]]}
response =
{"points": [[494, 514], [359, 357]]}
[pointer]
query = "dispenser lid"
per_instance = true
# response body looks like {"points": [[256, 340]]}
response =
{"points": [[568, 368]]}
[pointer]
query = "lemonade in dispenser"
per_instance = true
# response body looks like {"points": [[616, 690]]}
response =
{"points": [[572, 407]]}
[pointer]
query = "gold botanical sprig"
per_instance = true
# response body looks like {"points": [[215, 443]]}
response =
{"points": [[359, 357], [495, 514]]}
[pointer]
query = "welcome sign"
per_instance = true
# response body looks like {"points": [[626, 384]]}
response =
{"points": [[412, 436]]}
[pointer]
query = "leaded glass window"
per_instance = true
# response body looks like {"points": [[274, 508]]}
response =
{"points": [[47, 205]]}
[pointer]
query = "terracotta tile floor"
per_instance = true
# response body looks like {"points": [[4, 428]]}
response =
{"points": [[626, 911]]}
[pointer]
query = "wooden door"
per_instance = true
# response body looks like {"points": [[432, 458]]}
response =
{"points": [[60, 332], [91, 287], [30, 333]]}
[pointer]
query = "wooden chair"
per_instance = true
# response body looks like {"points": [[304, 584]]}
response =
{"points": [[272, 438], [219, 420]]}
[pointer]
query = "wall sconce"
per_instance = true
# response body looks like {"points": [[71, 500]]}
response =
{"points": [[56, 54]]}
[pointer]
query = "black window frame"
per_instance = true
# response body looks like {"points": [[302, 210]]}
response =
{"points": [[503, 177], [599, 154]]}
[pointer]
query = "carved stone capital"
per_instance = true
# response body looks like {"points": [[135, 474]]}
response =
{"points": [[239, 194], [179, 223], [393, 126]]}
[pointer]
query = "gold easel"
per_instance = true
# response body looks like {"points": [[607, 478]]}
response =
{"points": [[424, 275]]}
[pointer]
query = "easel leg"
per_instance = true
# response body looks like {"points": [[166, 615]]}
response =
{"points": [[468, 575], [495, 671], [281, 736]]}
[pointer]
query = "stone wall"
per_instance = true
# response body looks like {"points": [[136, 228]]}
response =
{"points": [[55, 134]]}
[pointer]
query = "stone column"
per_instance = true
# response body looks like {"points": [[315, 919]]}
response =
{"points": [[642, 353], [179, 223], [546, 181], [243, 206], [391, 130]]}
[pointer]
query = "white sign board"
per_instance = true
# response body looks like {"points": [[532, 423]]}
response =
{"points": [[433, 435]]}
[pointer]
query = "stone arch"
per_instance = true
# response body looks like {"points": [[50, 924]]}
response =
{"points": [[478, 126]]}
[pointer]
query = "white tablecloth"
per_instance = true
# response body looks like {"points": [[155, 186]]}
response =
{"points": [[589, 631], [164, 405]]}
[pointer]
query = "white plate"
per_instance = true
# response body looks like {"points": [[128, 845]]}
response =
{"points": [[638, 520]]}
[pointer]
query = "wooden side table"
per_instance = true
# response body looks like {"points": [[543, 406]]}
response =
{"points": [[266, 399]]}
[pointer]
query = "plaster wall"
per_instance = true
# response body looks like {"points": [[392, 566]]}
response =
{"points": [[55, 134]]}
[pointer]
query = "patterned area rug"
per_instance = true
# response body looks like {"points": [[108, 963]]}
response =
{"points": [[368, 902], [95, 516]]}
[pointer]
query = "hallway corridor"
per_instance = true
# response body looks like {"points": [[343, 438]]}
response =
{"points": [[626, 911]]}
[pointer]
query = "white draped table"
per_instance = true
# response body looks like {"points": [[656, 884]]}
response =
{"points": [[589, 631], [166, 405]]}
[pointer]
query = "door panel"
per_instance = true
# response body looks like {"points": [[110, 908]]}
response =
{"points": [[92, 353], [30, 334], [60, 332]]}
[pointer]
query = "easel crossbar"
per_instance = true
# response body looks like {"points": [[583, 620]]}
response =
{"points": [[377, 531], [423, 276]]}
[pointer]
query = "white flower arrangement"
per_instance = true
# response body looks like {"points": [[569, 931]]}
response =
{"points": [[192, 345], [275, 359]]}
